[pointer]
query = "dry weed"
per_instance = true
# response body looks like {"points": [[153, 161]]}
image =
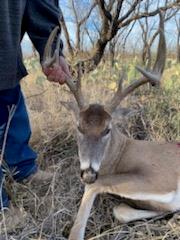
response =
{"points": [[52, 208]]}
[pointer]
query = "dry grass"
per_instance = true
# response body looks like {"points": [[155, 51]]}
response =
{"points": [[52, 208]]}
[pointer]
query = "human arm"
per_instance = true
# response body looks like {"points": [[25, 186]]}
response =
{"points": [[40, 18]]}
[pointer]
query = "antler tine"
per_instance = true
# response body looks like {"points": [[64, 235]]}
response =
{"points": [[161, 53], [118, 93], [75, 88], [153, 76], [48, 60], [158, 68]]}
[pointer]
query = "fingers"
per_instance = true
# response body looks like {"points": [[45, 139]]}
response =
{"points": [[58, 72], [47, 71], [55, 74]]}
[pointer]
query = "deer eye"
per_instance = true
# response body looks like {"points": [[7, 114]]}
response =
{"points": [[106, 132]]}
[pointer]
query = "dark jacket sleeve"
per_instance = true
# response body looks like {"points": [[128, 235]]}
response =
{"points": [[40, 18]]}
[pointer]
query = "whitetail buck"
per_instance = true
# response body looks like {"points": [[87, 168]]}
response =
{"points": [[147, 173]]}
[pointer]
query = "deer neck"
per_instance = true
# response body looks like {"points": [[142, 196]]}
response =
{"points": [[114, 152]]}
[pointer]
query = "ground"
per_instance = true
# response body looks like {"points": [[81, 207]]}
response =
{"points": [[52, 208]]}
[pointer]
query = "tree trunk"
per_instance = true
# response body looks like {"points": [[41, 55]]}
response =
{"points": [[112, 53]]}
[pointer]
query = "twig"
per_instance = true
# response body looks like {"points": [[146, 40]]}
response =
{"points": [[2, 210], [37, 94]]}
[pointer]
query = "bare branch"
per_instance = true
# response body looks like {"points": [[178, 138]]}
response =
{"points": [[66, 33], [89, 36], [105, 14], [148, 14], [83, 20], [133, 7], [74, 11], [111, 4], [118, 10]]}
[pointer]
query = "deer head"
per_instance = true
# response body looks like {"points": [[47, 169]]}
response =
{"points": [[94, 122]]}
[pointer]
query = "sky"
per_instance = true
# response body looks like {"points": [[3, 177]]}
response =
{"points": [[170, 27]]}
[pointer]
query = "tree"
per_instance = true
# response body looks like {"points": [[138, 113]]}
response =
{"points": [[114, 15]]}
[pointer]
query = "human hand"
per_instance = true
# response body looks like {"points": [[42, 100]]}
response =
{"points": [[58, 72]]}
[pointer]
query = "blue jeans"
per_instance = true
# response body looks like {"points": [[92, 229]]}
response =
{"points": [[18, 156]]}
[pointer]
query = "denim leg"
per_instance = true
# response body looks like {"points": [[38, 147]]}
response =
{"points": [[18, 155]]}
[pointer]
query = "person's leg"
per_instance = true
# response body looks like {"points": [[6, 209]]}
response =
{"points": [[18, 155]]}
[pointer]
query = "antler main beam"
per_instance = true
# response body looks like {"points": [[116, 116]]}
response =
{"points": [[152, 76], [50, 59]]}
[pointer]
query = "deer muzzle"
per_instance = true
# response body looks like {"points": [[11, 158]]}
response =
{"points": [[89, 176]]}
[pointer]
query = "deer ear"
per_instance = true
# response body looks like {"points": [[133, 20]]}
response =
{"points": [[123, 113], [71, 106]]}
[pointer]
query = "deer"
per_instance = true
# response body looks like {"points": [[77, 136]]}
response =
{"points": [[145, 172]]}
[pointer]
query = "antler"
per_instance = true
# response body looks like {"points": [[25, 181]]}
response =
{"points": [[159, 65], [49, 59], [152, 77]]}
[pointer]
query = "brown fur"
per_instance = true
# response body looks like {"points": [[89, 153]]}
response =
{"points": [[93, 120]]}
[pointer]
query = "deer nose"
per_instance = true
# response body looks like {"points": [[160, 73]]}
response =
{"points": [[89, 175]]}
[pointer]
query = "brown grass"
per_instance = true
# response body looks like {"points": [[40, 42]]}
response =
{"points": [[52, 208]]}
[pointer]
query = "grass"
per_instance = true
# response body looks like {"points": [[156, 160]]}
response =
{"points": [[52, 208]]}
